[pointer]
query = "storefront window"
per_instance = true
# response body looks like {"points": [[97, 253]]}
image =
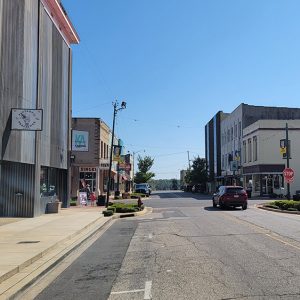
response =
{"points": [[256, 183], [48, 179], [278, 181], [87, 179]]}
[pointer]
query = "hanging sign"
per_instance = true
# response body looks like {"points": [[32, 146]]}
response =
{"points": [[26, 119], [80, 140], [288, 174], [117, 153]]}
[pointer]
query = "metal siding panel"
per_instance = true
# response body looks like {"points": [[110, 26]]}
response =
{"points": [[29, 74], [56, 140], [45, 85], [20, 179], [11, 74]]}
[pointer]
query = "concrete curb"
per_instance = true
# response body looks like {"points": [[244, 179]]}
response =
{"points": [[44, 252], [18, 288], [146, 210], [260, 206]]}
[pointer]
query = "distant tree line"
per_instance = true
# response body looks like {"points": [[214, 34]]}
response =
{"points": [[164, 184]]}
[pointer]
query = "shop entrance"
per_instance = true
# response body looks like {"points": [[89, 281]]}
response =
{"points": [[87, 176], [267, 185]]}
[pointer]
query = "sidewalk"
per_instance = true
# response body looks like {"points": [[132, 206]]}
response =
{"points": [[29, 247]]}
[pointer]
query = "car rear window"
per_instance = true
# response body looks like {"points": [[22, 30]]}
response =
{"points": [[140, 186], [234, 190]]}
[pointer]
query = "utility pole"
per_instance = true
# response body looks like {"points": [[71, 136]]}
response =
{"points": [[116, 109], [287, 158]]}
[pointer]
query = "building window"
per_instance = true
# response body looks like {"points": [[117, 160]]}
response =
{"points": [[228, 136], [101, 149], [255, 148], [231, 133], [235, 131], [244, 152], [240, 129], [249, 150]]}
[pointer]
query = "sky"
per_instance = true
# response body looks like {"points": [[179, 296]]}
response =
{"points": [[176, 63]]}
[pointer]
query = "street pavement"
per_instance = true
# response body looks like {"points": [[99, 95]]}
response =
{"points": [[186, 249]]}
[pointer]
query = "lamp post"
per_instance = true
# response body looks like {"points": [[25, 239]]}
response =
{"points": [[116, 109]]}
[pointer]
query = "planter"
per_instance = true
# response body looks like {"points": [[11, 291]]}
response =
{"points": [[52, 207], [101, 200]]}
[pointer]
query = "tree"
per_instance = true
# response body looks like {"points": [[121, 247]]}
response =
{"points": [[198, 173], [174, 184], [144, 166]]}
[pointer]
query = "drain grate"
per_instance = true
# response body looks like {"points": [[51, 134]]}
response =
{"points": [[29, 242]]}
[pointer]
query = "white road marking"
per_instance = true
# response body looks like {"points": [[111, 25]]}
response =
{"points": [[147, 294], [127, 292], [150, 236]]}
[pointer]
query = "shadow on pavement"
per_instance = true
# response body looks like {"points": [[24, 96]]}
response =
{"points": [[211, 208], [180, 194]]}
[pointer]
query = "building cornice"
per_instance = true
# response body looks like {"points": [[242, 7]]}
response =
{"points": [[61, 20]]}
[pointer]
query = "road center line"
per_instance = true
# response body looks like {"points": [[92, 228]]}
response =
{"points": [[128, 292], [147, 294]]}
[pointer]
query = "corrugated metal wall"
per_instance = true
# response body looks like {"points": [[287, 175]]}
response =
{"points": [[17, 146], [18, 89], [17, 190], [54, 90]]}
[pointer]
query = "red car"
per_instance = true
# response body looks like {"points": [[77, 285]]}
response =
{"points": [[230, 196]]}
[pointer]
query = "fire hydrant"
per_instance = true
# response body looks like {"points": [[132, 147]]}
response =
{"points": [[139, 202]]}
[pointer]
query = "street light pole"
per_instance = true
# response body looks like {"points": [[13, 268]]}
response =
{"points": [[116, 109]]}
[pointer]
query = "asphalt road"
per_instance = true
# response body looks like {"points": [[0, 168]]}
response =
{"points": [[186, 249]]}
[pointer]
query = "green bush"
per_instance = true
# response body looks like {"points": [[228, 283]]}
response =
{"points": [[286, 204], [271, 206], [124, 207], [117, 198], [136, 195], [107, 213], [292, 209], [73, 203], [112, 208]]}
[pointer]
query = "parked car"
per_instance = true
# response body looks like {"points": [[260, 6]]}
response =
{"points": [[143, 188], [230, 196]]}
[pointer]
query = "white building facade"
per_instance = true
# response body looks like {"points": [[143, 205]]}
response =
{"points": [[231, 143], [262, 160]]}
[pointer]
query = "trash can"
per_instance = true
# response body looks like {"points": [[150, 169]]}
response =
{"points": [[52, 207], [101, 200]]}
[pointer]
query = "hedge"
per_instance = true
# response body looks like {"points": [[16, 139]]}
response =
{"points": [[285, 204]]}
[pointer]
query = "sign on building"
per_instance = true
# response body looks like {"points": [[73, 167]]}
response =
{"points": [[104, 165], [27, 119], [234, 165], [80, 140]]}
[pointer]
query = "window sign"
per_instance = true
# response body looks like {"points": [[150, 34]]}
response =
{"points": [[80, 140]]}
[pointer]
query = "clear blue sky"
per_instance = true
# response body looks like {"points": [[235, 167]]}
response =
{"points": [[176, 63]]}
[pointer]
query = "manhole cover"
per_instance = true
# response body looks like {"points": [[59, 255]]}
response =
{"points": [[28, 242]]}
